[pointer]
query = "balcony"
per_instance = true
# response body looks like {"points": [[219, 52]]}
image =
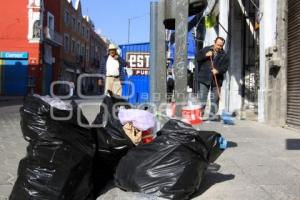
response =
{"points": [[53, 36]]}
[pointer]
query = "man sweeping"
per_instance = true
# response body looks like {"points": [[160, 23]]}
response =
{"points": [[213, 64]]}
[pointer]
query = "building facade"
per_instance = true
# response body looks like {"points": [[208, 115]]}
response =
{"points": [[52, 43], [20, 46], [43, 41], [263, 78], [83, 48]]}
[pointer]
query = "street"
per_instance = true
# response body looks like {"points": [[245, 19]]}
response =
{"points": [[262, 162]]}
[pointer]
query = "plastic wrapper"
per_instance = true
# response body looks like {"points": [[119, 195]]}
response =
{"points": [[59, 159], [172, 165]]}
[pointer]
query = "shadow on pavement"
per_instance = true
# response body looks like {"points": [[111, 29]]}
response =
{"points": [[14, 102], [293, 144], [231, 144], [212, 177]]}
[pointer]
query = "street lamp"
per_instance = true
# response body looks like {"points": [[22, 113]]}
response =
{"points": [[129, 23]]}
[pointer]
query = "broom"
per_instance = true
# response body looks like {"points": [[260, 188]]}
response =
{"points": [[215, 78], [227, 119]]}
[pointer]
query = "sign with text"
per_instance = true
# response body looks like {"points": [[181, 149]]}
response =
{"points": [[138, 62], [14, 55]]}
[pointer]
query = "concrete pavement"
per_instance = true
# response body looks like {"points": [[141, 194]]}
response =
{"points": [[12, 148], [258, 165], [262, 162]]}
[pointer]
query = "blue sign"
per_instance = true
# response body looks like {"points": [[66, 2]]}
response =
{"points": [[14, 55]]}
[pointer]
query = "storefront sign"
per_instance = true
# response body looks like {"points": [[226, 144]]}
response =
{"points": [[14, 55], [138, 62]]}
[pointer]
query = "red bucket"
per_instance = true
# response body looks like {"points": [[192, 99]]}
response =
{"points": [[147, 136], [192, 114]]}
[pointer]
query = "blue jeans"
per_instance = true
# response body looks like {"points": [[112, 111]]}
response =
{"points": [[214, 98]]}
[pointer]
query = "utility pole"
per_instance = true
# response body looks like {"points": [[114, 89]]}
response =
{"points": [[128, 30], [158, 69], [180, 65]]}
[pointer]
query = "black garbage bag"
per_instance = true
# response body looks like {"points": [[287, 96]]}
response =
{"points": [[171, 166], [111, 142], [59, 159]]}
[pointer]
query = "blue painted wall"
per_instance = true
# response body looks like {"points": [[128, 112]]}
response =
{"points": [[139, 92]]}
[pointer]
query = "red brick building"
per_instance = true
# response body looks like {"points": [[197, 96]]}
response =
{"points": [[83, 48], [53, 42]]}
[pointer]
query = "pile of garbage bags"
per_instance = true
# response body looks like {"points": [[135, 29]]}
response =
{"points": [[172, 165], [60, 153], [111, 142], [66, 161]]}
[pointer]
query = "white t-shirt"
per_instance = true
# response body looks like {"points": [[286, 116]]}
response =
{"points": [[112, 67]]}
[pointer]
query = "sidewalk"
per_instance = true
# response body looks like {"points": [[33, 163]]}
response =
{"points": [[10, 100], [261, 163]]}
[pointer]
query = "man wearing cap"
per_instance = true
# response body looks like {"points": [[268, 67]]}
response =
{"points": [[114, 71]]}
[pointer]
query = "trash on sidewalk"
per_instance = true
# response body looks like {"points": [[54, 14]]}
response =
{"points": [[137, 124], [192, 113], [117, 137], [172, 165], [228, 118], [66, 161], [111, 141], [59, 159], [147, 136]]}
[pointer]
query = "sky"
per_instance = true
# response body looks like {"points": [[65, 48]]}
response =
{"points": [[111, 19]]}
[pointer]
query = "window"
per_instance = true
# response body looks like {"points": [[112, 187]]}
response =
{"points": [[78, 26], [78, 48], [92, 51], [82, 50], [87, 54], [66, 43], [73, 46], [83, 30], [67, 17], [73, 23], [87, 33], [50, 21]]}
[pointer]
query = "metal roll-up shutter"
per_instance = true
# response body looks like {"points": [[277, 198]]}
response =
{"points": [[293, 69]]}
